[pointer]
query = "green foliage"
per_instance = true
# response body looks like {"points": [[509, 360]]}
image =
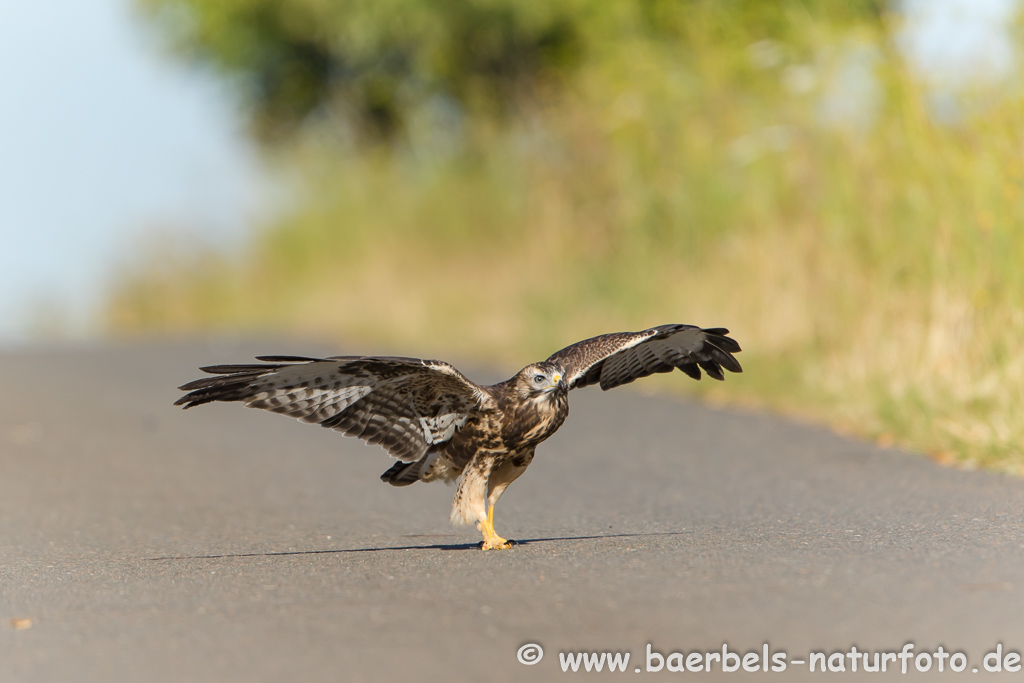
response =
{"points": [[375, 62]]}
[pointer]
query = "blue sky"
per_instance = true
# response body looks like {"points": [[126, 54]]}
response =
{"points": [[105, 139], [956, 41]]}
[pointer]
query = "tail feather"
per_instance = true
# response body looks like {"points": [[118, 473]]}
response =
{"points": [[431, 466], [403, 473]]}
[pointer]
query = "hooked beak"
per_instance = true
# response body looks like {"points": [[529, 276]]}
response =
{"points": [[560, 383]]}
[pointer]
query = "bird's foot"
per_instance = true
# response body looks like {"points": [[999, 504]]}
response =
{"points": [[492, 541]]}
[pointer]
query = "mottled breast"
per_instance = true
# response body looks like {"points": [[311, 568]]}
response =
{"points": [[535, 420]]}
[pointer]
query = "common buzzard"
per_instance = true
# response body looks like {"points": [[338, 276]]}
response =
{"points": [[439, 424]]}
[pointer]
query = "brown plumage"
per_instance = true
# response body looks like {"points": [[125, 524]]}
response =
{"points": [[439, 424]]}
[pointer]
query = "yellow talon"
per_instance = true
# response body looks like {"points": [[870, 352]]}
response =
{"points": [[492, 540]]}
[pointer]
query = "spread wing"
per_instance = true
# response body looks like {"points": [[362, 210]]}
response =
{"points": [[620, 358], [406, 405]]}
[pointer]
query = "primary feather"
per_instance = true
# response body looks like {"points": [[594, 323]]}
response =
{"points": [[616, 359], [404, 404]]}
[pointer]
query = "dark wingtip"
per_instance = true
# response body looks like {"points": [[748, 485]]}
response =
{"points": [[713, 369], [691, 370], [722, 357], [189, 401], [725, 343]]}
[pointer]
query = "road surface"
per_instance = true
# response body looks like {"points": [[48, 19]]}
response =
{"points": [[139, 542]]}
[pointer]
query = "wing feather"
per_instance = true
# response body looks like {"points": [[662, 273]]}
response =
{"points": [[406, 405], [612, 360]]}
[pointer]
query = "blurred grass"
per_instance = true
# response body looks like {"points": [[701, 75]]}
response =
{"points": [[798, 190]]}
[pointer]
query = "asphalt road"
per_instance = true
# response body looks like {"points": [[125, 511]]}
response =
{"points": [[139, 542]]}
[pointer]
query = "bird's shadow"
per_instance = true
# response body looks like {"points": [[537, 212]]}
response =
{"points": [[436, 546]]}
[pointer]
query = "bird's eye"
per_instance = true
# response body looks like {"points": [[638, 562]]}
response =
{"points": [[539, 379]]}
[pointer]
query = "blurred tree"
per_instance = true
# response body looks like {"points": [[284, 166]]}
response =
{"points": [[373, 61]]}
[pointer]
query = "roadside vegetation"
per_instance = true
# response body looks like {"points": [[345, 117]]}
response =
{"points": [[772, 167]]}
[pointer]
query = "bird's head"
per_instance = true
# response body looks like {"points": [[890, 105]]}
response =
{"points": [[541, 379]]}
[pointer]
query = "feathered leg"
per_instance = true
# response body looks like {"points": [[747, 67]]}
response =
{"points": [[474, 500], [501, 476], [499, 481]]}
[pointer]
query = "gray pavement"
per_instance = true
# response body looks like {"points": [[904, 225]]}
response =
{"points": [[145, 543]]}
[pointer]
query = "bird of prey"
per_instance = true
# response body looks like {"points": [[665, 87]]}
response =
{"points": [[439, 424]]}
